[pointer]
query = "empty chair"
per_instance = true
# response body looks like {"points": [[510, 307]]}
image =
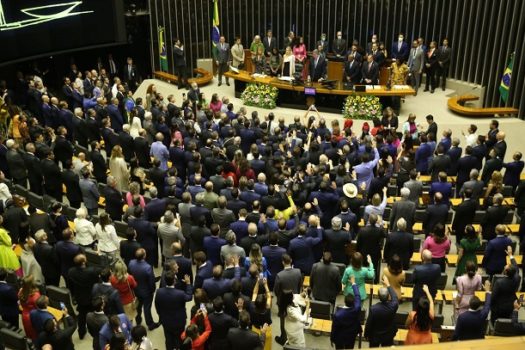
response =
{"points": [[503, 328], [482, 247], [386, 213], [442, 281], [35, 200], [496, 277], [484, 278], [478, 217], [510, 216], [401, 318], [48, 201], [121, 228], [60, 294], [70, 212], [391, 190], [14, 340], [320, 309], [417, 244], [437, 323], [21, 190], [95, 259], [409, 279], [95, 219], [420, 215], [507, 191]]}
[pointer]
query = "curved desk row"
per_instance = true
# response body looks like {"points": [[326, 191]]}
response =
{"points": [[457, 104], [204, 77]]}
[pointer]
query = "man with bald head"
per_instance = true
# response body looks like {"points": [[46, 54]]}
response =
{"points": [[253, 237], [501, 146], [160, 151], [426, 273], [210, 197], [34, 172], [380, 326]]}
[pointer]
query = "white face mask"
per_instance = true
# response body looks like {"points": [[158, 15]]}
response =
{"points": [[400, 38], [323, 38], [339, 37]]}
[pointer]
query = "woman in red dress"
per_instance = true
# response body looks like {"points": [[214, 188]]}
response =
{"points": [[28, 296], [124, 283]]}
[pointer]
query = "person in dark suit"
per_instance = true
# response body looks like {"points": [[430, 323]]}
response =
{"points": [[345, 323], [115, 116], [378, 55], [217, 285], [370, 71], [142, 149], [72, 182], [222, 59], [212, 245], [454, 153], [221, 323], [8, 301], [464, 167], [491, 165], [47, 258], [52, 177], [170, 304], [130, 74], [425, 274], [98, 161], [423, 154], [431, 67], [34, 170], [15, 163], [179, 57], [512, 171], [125, 141], [381, 328], [370, 241], [500, 146], [204, 269], [289, 279], [519, 327], [403, 208], [243, 338], [439, 163], [444, 54], [441, 185], [95, 320], [145, 277], [80, 130], [337, 239], [66, 251], [63, 148], [471, 324], [463, 215], [81, 279], [269, 42], [435, 213], [475, 185], [111, 295], [129, 246], [352, 71], [495, 215], [494, 259], [301, 248], [400, 242], [339, 46], [273, 255], [325, 280], [58, 338], [504, 291], [184, 264], [117, 326], [114, 200], [400, 48], [146, 235], [317, 67]]}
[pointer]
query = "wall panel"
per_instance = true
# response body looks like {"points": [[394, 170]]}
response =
{"points": [[482, 33]]}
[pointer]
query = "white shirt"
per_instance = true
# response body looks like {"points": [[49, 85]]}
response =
{"points": [[471, 139], [85, 232], [108, 241], [4, 192]]}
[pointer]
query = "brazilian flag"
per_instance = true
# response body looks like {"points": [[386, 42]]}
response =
{"points": [[215, 32], [163, 54], [504, 87]]}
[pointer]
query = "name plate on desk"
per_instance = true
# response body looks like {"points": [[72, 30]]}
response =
{"points": [[286, 78], [400, 87]]}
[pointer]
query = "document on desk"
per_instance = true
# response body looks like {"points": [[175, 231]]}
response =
{"points": [[286, 78], [401, 87]]}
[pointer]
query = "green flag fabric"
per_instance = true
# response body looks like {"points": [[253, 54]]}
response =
{"points": [[505, 80], [215, 32], [163, 55]]}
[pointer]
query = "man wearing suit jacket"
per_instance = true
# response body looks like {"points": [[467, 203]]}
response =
{"points": [[15, 162], [111, 295], [352, 71], [217, 285], [95, 320], [269, 43], [439, 163], [212, 245], [204, 269], [463, 215], [129, 246], [426, 273], [495, 257], [370, 241], [114, 200], [431, 67], [492, 164], [145, 277], [400, 48], [322, 45], [8, 301], [473, 184], [221, 323], [465, 165], [380, 327], [72, 182], [500, 146], [435, 213], [243, 338], [370, 71], [47, 259], [317, 67], [98, 161], [423, 154], [184, 265], [504, 291], [34, 171], [454, 153], [378, 55], [114, 114], [415, 65], [415, 186], [115, 325], [472, 323], [495, 215], [512, 171], [180, 64], [403, 208], [142, 149], [401, 243], [301, 248], [444, 53], [58, 338], [66, 251], [274, 255], [290, 278], [89, 189], [125, 141], [442, 186], [81, 279], [146, 235], [130, 74], [222, 59], [325, 280]]}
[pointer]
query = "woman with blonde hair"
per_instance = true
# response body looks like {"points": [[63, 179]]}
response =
{"points": [[494, 186], [124, 283], [134, 190], [151, 93], [108, 242], [28, 295], [119, 169], [288, 66]]}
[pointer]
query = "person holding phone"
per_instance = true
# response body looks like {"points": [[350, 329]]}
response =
{"points": [[191, 337]]}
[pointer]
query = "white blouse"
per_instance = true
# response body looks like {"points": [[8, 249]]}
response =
{"points": [[108, 241], [85, 232]]}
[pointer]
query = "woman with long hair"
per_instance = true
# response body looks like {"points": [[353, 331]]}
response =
{"points": [[439, 245], [494, 186], [215, 103], [419, 322], [359, 272], [134, 191], [124, 283], [295, 317], [151, 93], [467, 285], [28, 295], [468, 246], [193, 338], [260, 313], [288, 66], [256, 257], [118, 168], [108, 242], [244, 169], [395, 274]]}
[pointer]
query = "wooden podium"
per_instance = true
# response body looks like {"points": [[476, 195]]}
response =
{"points": [[334, 70]]}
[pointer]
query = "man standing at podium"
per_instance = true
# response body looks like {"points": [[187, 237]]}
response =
{"points": [[352, 72], [370, 71], [222, 59], [317, 67], [339, 45]]}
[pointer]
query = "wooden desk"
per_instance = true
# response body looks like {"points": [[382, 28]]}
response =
{"points": [[306, 281], [457, 104], [246, 77], [401, 335], [428, 178], [319, 325], [204, 77], [513, 228]]}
